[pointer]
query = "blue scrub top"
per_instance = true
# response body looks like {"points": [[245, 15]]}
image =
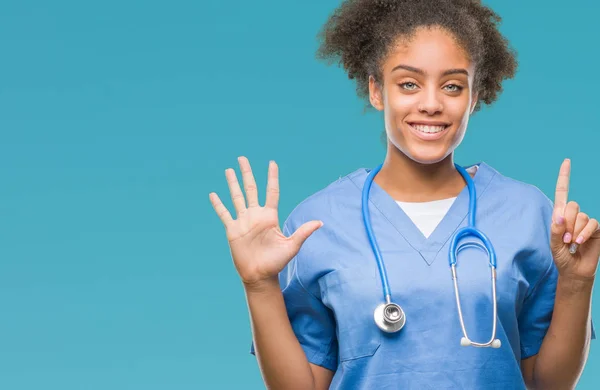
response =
{"points": [[332, 287]]}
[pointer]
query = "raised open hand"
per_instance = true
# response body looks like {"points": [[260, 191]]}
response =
{"points": [[258, 247], [575, 238]]}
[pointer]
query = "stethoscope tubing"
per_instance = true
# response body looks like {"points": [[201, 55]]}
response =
{"points": [[468, 231], [387, 294]]}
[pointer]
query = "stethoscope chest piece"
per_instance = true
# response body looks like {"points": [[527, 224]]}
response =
{"points": [[389, 317]]}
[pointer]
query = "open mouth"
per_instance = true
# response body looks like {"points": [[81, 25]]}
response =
{"points": [[428, 129]]}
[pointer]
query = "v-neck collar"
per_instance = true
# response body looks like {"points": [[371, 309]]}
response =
{"points": [[428, 248]]}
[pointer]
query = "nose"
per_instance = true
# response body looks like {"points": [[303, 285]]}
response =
{"points": [[430, 102]]}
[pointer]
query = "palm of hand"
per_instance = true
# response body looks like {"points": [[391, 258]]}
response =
{"points": [[258, 247]]}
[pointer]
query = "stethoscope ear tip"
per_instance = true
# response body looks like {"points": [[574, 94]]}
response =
{"points": [[465, 342]]}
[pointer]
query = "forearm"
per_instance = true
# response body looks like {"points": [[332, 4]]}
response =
{"points": [[282, 360], [564, 350]]}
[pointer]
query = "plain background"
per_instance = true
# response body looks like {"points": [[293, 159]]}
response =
{"points": [[117, 118]]}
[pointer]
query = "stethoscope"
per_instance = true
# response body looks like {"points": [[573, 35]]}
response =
{"points": [[389, 316]]}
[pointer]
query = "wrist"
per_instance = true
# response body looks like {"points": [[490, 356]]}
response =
{"points": [[575, 285], [262, 286]]}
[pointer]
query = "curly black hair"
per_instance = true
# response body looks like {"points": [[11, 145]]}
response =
{"points": [[359, 34]]}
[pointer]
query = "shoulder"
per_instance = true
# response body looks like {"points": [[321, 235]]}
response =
{"points": [[335, 205], [525, 198], [519, 217], [325, 204]]}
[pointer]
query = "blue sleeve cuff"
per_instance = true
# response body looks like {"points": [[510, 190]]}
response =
{"points": [[313, 356], [534, 349]]}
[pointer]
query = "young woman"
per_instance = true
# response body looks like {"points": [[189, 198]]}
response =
{"points": [[356, 291]]}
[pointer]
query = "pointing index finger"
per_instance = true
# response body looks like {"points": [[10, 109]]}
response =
{"points": [[562, 187]]}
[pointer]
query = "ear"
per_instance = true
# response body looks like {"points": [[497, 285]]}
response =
{"points": [[375, 94], [474, 102]]}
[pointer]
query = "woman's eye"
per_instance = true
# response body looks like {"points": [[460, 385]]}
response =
{"points": [[408, 86], [453, 88]]}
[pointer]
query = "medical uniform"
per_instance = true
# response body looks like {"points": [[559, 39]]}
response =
{"points": [[332, 287]]}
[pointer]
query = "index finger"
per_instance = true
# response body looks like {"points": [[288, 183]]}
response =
{"points": [[562, 187]]}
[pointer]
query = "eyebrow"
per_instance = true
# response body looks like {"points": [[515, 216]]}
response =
{"points": [[420, 71]]}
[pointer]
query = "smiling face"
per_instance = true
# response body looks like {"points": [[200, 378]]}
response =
{"points": [[427, 95]]}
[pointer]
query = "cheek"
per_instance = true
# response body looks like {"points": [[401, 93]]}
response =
{"points": [[399, 106], [458, 110], [461, 128]]}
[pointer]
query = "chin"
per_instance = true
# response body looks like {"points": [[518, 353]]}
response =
{"points": [[422, 152], [427, 159], [426, 155]]}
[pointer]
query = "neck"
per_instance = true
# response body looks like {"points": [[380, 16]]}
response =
{"points": [[409, 181]]}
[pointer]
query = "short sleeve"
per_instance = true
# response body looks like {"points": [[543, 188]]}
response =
{"points": [[312, 322], [536, 312]]}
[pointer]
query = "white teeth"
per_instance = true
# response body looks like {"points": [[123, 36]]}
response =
{"points": [[429, 129]]}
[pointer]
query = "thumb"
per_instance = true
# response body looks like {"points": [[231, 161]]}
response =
{"points": [[557, 231], [304, 231]]}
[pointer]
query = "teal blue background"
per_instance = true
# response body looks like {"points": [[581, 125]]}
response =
{"points": [[117, 118]]}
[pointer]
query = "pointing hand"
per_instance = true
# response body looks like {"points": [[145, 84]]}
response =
{"points": [[575, 238]]}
